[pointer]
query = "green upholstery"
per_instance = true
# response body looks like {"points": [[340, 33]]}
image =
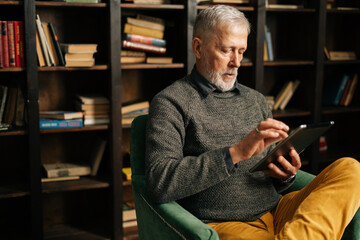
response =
{"points": [[170, 220]]}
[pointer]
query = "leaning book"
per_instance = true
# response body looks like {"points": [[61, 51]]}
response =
{"points": [[47, 123]]}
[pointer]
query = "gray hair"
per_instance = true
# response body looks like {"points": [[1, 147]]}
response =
{"points": [[207, 20]]}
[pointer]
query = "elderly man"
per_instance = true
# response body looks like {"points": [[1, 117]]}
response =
{"points": [[206, 130]]}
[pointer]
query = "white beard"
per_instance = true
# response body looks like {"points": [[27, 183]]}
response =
{"points": [[214, 78]]}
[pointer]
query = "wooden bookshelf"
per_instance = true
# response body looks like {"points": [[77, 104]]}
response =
{"points": [[299, 37]]}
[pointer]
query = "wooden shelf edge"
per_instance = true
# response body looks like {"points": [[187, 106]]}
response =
{"points": [[81, 129], [11, 3], [62, 68], [152, 66], [84, 183], [290, 113], [241, 8], [65, 4], [340, 110], [153, 6], [289, 63], [13, 191], [296, 10]]}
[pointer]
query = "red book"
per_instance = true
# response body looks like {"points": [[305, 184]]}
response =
{"points": [[5, 44], [11, 43], [143, 47], [1, 48], [19, 43]]}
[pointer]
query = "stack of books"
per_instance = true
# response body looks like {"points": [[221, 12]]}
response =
{"points": [[145, 34], [61, 119], [11, 44], [284, 96], [132, 110], [340, 89], [96, 108], [79, 55], [129, 215]]}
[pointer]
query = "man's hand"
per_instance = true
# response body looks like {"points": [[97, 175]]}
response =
{"points": [[266, 133], [285, 169]]}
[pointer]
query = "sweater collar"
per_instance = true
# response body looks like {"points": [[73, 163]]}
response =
{"points": [[204, 86]]}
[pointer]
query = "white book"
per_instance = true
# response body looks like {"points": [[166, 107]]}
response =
{"points": [[43, 40], [66, 169]]}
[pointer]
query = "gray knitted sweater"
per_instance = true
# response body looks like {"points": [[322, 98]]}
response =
{"points": [[186, 136]]}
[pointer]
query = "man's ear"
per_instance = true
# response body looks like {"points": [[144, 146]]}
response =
{"points": [[196, 46]]}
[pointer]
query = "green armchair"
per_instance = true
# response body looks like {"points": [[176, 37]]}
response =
{"points": [[170, 220]]}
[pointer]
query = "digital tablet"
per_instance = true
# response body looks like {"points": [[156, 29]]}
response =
{"points": [[299, 139]]}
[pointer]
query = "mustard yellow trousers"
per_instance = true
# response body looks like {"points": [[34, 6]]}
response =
{"points": [[321, 210]]}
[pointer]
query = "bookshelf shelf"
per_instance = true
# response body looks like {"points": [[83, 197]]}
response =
{"points": [[241, 8], [344, 62], [65, 231], [60, 68], [295, 10], [16, 132], [82, 129], [84, 183], [13, 191], [340, 110], [152, 66], [289, 63], [12, 69], [63, 4], [152, 6], [9, 3], [290, 113]]}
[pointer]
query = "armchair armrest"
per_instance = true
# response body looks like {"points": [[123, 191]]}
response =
{"points": [[169, 220]]}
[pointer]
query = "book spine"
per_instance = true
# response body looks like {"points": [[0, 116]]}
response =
{"points": [[341, 90], [5, 43], [21, 43], [17, 43], [56, 45], [50, 123], [1, 48], [143, 47], [145, 40], [143, 31], [11, 43], [42, 41]]}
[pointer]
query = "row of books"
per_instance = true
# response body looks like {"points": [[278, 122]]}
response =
{"points": [[52, 53], [73, 171], [340, 89], [12, 107], [284, 96], [144, 35], [268, 46], [11, 44], [90, 110]]}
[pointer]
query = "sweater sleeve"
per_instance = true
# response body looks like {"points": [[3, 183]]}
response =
{"points": [[169, 174]]}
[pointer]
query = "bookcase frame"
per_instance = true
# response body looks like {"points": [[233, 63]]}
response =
{"points": [[120, 79]]}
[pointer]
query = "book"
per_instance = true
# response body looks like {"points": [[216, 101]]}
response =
{"points": [[92, 99], [161, 60], [96, 155], [269, 45], [58, 179], [129, 28], [145, 40], [143, 47], [5, 44], [50, 43], [48, 123], [79, 56], [39, 53], [342, 55], [334, 88], [10, 106], [146, 24], [282, 94], [135, 107], [56, 44], [127, 173], [4, 91], [78, 47], [84, 107], [132, 59], [20, 108], [57, 114], [1, 48], [19, 43], [351, 91], [11, 43], [80, 63], [130, 53], [88, 121], [42, 40], [66, 169], [289, 94]]}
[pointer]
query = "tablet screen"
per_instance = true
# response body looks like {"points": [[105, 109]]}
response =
{"points": [[299, 139]]}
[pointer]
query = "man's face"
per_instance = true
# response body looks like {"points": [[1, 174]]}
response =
{"points": [[219, 56]]}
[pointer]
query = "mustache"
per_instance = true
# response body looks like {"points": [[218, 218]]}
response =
{"points": [[232, 71]]}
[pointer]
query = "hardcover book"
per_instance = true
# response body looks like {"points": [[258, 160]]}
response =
{"points": [[61, 114], [143, 47], [66, 169]]}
